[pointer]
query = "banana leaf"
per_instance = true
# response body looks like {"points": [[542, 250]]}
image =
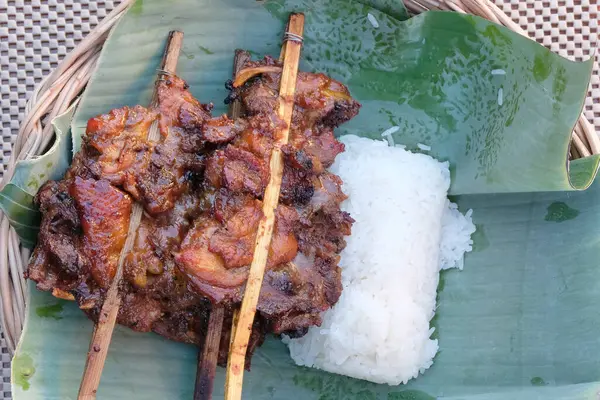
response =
{"points": [[518, 323], [16, 198], [431, 75]]}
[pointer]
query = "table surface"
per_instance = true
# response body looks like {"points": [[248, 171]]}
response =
{"points": [[36, 35]]}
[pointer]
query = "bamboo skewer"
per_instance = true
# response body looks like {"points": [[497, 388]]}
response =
{"points": [[208, 357], [243, 329], [108, 314], [284, 44]]}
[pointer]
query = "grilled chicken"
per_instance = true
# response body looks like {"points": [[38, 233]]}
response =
{"points": [[201, 186]]}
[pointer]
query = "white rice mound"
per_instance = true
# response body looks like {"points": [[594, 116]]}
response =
{"points": [[379, 329]]}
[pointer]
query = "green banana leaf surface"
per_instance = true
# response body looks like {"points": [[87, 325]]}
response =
{"points": [[16, 198], [521, 320]]}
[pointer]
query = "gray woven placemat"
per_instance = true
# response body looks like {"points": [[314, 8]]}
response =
{"points": [[5, 389], [36, 35]]}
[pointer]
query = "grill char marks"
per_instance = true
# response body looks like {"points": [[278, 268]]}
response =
{"points": [[201, 186], [302, 277]]}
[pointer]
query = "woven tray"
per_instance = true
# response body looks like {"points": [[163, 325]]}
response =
{"points": [[56, 92]]}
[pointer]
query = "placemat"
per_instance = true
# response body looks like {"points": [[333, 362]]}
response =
{"points": [[36, 35]]}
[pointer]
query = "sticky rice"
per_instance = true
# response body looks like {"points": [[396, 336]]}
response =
{"points": [[406, 230]]}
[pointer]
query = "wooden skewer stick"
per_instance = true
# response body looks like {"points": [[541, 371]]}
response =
{"points": [[208, 357], [287, 90], [108, 314], [240, 59], [284, 44]]}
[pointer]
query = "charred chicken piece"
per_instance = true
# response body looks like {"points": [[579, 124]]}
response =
{"points": [[302, 277], [116, 146], [104, 214], [201, 186], [85, 216], [319, 98]]}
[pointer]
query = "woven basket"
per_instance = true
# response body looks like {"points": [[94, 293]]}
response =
{"points": [[58, 90]]}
